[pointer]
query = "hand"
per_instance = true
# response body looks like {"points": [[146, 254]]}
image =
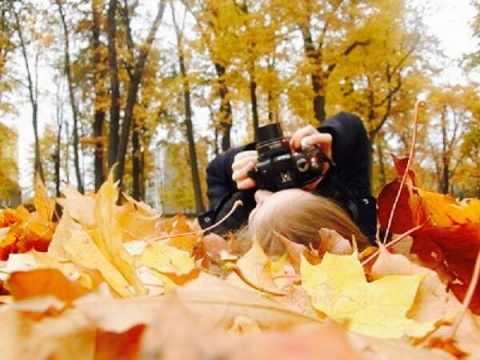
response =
{"points": [[310, 136], [242, 163]]}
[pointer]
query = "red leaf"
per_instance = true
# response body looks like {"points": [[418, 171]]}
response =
{"points": [[452, 252]]}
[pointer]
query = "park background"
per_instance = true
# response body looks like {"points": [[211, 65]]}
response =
{"points": [[160, 87]]}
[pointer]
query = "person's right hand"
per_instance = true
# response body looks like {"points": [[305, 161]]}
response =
{"points": [[243, 162]]}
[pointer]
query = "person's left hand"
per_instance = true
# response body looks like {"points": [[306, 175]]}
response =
{"points": [[309, 136]]}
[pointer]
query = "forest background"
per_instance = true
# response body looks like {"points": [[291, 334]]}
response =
{"points": [[196, 77]]}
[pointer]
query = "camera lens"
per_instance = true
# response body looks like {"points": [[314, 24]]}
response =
{"points": [[302, 164], [269, 132]]}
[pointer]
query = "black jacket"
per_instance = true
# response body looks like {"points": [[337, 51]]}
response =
{"points": [[347, 183]]}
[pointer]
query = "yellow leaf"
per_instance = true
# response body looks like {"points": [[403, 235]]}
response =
{"points": [[339, 289], [43, 204], [255, 266], [80, 207], [82, 251], [108, 237], [167, 259]]}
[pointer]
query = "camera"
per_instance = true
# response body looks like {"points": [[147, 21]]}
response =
{"points": [[279, 167]]}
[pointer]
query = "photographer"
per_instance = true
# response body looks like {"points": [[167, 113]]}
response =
{"points": [[343, 188]]}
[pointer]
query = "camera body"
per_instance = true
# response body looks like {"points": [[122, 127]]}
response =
{"points": [[279, 167]]}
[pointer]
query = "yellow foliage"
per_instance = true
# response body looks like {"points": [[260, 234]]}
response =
{"points": [[339, 289], [167, 259]]}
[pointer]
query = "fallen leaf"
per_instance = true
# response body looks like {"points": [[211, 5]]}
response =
{"points": [[167, 259], [107, 235], [255, 267], [43, 282], [64, 336], [339, 289]]}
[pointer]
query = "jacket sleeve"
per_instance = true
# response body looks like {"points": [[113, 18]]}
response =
{"points": [[351, 151], [219, 175]]}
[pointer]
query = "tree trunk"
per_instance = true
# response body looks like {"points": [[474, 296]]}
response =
{"points": [[315, 56], [197, 190], [137, 191], [199, 207], [444, 182], [253, 99], [381, 163], [133, 91], [57, 156], [33, 96], [225, 108], [99, 113], [68, 72], [114, 84]]}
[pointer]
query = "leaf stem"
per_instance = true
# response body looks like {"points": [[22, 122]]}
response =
{"points": [[236, 204], [418, 104], [391, 243]]}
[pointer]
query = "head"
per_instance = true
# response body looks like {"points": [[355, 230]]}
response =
{"points": [[298, 215]]}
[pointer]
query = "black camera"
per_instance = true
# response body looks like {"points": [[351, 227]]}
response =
{"points": [[279, 167]]}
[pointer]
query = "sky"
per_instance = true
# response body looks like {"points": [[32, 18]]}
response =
{"points": [[449, 21]]}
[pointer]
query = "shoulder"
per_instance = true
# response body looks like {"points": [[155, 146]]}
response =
{"points": [[343, 122]]}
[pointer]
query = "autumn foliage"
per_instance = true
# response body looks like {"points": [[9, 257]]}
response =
{"points": [[109, 281], [448, 237]]}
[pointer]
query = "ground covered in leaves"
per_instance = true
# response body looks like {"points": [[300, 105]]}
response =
{"points": [[108, 281]]}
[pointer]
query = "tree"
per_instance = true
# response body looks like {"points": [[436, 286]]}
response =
{"points": [[7, 47], [450, 111], [199, 207], [99, 75], [138, 54], [9, 187], [71, 92], [41, 40]]}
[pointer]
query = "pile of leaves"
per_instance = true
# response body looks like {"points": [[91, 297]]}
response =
{"points": [[109, 281]]}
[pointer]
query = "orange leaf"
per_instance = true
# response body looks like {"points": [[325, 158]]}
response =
{"points": [[43, 282], [124, 345]]}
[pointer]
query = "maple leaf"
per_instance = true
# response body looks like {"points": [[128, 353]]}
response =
{"points": [[449, 239], [25, 230], [80, 207], [255, 268], [339, 289], [451, 251], [433, 301], [43, 282], [167, 259], [97, 242], [444, 210], [107, 235], [405, 216]]}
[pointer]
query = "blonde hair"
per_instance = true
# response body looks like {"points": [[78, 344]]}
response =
{"points": [[300, 220]]}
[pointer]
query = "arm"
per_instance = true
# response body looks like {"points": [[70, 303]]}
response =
{"points": [[349, 137], [219, 176]]}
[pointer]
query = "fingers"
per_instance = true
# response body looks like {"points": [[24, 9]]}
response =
{"points": [[242, 164], [312, 137], [300, 134], [321, 140]]}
